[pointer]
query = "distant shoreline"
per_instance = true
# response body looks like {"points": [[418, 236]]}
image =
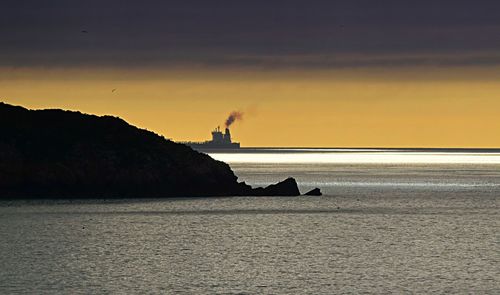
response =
{"points": [[349, 150]]}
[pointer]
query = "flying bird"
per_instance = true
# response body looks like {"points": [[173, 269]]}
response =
{"points": [[113, 90], [85, 31]]}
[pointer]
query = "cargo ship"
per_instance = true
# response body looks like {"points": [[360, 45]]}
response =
{"points": [[219, 141]]}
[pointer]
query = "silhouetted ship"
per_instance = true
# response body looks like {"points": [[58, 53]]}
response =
{"points": [[219, 141]]}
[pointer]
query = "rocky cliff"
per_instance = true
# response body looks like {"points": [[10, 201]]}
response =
{"points": [[56, 153]]}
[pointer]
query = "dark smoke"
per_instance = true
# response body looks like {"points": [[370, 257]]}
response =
{"points": [[233, 117]]}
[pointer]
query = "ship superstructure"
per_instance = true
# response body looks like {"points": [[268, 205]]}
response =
{"points": [[219, 141]]}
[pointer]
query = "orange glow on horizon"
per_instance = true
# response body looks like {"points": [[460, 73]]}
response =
{"points": [[350, 108]]}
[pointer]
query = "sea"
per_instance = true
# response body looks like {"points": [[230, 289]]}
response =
{"points": [[388, 222]]}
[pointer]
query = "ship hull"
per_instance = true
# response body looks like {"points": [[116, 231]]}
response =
{"points": [[214, 146]]}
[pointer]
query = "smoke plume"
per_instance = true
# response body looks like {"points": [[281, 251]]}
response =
{"points": [[233, 116]]}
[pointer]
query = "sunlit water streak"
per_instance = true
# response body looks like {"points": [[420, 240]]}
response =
{"points": [[334, 156], [338, 171]]}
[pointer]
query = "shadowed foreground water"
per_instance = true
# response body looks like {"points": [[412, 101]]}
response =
{"points": [[378, 229]]}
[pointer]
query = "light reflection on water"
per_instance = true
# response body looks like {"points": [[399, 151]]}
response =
{"points": [[359, 157], [364, 171]]}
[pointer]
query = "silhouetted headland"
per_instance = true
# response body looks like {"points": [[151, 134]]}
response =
{"points": [[65, 154], [314, 192]]}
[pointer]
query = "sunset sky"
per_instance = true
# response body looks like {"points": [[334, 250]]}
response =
{"points": [[305, 73]]}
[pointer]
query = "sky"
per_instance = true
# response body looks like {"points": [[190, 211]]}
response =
{"points": [[304, 73]]}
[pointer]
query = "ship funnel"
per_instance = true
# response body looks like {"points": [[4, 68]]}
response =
{"points": [[227, 135]]}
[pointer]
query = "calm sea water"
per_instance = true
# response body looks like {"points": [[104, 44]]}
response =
{"points": [[389, 222]]}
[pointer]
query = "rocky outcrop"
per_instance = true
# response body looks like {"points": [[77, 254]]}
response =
{"points": [[56, 153], [314, 192], [287, 187]]}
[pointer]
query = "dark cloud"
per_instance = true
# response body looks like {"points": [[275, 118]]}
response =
{"points": [[248, 33]]}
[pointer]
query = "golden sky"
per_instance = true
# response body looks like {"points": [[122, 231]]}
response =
{"points": [[398, 107], [334, 74]]}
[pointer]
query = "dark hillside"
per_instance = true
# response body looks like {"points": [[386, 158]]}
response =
{"points": [[60, 153]]}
